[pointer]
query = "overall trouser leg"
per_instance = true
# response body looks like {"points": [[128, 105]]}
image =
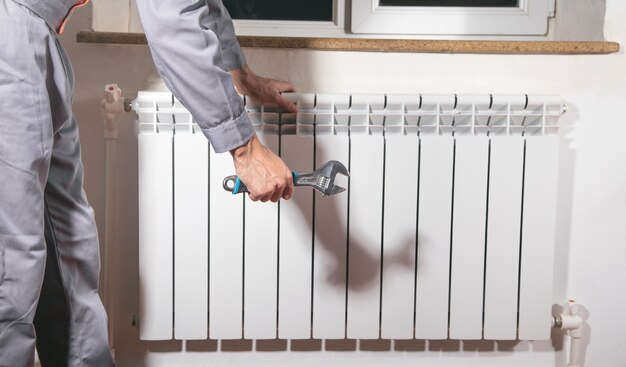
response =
{"points": [[41, 172], [70, 305]]}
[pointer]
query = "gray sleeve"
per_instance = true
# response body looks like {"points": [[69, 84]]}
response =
{"points": [[184, 38], [231, 52]]}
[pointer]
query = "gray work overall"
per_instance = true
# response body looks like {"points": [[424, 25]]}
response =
{"points": [[51, 293]]}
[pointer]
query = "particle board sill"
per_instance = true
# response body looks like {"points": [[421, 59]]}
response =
{"points": [[389, 45]]}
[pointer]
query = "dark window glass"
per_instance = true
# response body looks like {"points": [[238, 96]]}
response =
{"points": [[317, 10], [475, 3]]}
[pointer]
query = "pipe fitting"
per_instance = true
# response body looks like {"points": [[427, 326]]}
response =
{"points": [[568, 322], [571, 322], [112, 104]]}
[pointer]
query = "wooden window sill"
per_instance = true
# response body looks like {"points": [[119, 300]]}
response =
{"points": [[387, 45]]}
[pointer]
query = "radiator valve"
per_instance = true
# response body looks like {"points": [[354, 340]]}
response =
{"points": [[112, 104]]}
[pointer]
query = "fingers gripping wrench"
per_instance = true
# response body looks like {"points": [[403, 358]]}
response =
{"points": [[322, 180]]}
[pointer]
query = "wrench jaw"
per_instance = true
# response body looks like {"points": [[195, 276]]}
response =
{"points": [[329, 171], [332, 168], [335, 189]]}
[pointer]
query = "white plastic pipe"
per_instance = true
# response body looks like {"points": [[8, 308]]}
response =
{"points": [[573, 324], [112, 103]]}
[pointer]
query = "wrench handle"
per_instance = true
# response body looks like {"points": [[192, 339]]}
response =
{"points": [[234, 184]]}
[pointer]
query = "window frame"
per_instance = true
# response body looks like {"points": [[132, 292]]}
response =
{"points": [[529, 18], [296, 28], [368, 19]]}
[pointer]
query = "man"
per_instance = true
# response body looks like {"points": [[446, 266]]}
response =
{"points": [[49, 260]]}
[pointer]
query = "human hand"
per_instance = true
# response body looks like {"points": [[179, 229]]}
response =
{"points": [[261, 89], [266, 176]]}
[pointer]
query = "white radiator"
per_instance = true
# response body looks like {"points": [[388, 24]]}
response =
{"points": [[446, 230]]}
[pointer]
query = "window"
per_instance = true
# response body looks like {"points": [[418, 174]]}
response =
{"points": [[325, 18], [288, 18], [451, 17]]}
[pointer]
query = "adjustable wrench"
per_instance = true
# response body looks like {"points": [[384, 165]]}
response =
{"points": [[322, 180]]}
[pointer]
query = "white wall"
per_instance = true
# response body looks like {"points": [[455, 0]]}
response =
{"points": [[591, 239]]}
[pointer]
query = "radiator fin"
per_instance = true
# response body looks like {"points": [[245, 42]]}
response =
{"points": [[365, 234], [191, 236], [433, 237], [155, 236], [503, 237], [296, 241], [540, 183], [331, 240], [468, 237], [399, 235], [225, 253], [261, 262]]}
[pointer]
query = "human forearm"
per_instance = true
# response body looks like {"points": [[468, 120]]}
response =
{"points": [[188, 55]]}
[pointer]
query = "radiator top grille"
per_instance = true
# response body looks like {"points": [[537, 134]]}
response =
{"points": [[375, 114]]}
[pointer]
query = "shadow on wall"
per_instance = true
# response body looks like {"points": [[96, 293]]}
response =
{"points": [[364, 266]]}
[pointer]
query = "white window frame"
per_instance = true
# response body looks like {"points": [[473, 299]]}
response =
{"points": [[529, 18], [296, 28]]}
